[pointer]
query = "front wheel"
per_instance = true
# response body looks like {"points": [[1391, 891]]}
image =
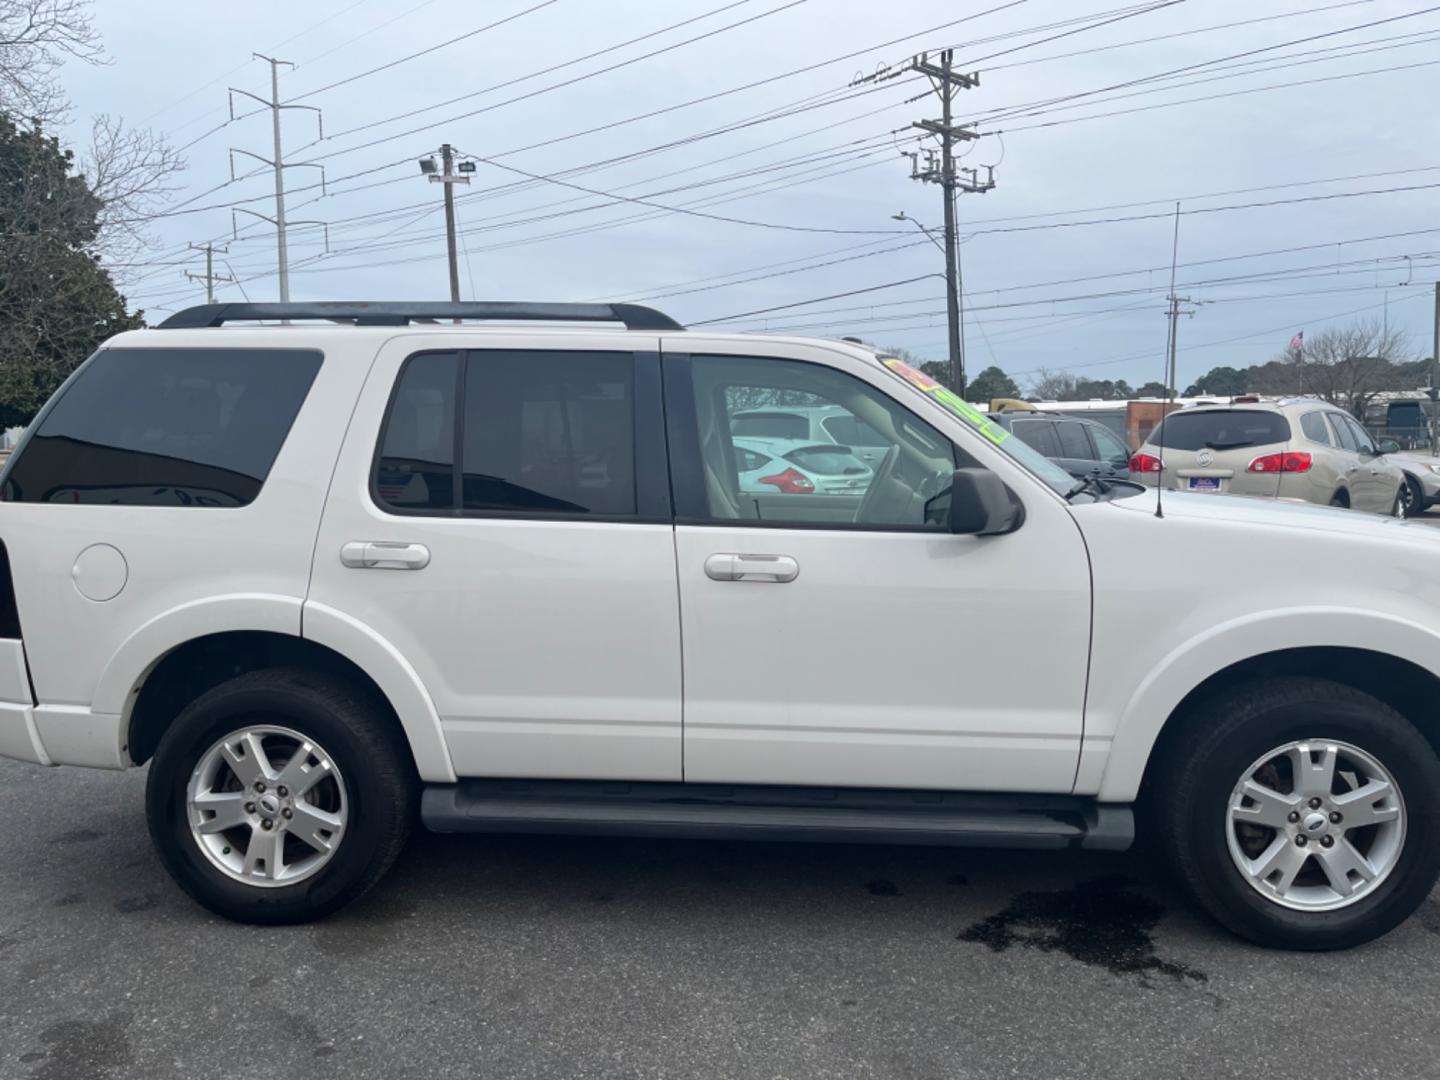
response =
{"points": [[1410, 498], [279, 796], [1302, 813]]}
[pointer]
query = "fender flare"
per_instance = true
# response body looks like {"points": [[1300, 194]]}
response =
{"points": [[120, 681], [119, 684], [1167, 685]]}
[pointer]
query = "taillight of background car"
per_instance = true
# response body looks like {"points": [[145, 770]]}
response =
{"points": [[1289, 461], [1143, 463], [791, 482]]}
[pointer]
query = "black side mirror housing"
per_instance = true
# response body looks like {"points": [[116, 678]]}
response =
{"points": [[981, 505], [1386, 446]]}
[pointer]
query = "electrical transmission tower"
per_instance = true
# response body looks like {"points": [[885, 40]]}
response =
{"points": [[279, 164], [939, 168], [209, 277]]}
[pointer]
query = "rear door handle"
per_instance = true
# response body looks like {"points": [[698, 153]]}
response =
{"points": [[774, 569], [384, 555]]}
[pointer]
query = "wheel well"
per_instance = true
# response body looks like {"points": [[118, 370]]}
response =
{"points": [[1406, 687], [188, 670], [1341, 497]]}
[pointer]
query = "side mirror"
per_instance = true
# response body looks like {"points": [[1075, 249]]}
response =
{"points": [[979, 505], [1386, 446]]}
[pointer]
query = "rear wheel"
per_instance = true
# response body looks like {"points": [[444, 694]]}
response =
{"points": [[1302, 813], [280, 796], [1340, 499]]}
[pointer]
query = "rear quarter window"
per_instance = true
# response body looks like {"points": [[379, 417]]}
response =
{"points": [[1221, 429], [165, 427]]}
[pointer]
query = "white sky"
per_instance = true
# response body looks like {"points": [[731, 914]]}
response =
{"points": [[172, 63]]}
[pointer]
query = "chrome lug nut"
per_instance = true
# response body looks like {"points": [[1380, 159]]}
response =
{"points": [[287, 813], [1327, 841], [1299, 840], [260, 786], [1336, 817], [249, 807], [267, 825], [1315, 803], [281, 791], [1293, 816]]}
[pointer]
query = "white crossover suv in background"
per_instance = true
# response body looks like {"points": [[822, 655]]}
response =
{"points": [[367, 565]]}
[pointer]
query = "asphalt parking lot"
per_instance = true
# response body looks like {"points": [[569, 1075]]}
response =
{"points": [[555, 957]]}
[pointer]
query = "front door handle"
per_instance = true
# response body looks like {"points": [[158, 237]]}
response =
{"points": [[774, 569], [384, 555]]}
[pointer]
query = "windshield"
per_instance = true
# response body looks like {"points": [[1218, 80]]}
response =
{"points": [[1221, 429], [1027, 456]]}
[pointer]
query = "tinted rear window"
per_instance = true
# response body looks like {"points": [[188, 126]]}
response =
{"points": [[165, 427], [771, 426], [827, 460], [1221, 429]]}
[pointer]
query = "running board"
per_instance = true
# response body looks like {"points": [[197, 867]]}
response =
{"points": [[741, 812]]}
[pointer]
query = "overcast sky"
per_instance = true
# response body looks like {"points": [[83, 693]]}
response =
{"points": [[816, 171]]}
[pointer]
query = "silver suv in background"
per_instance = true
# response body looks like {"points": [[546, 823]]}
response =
{"points": [[1298, 448]]}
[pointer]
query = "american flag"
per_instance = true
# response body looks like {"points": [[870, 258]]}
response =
{"points": [[1298, 341]]}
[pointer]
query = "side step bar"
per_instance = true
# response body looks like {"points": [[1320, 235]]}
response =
{"points": [[738, 812]]}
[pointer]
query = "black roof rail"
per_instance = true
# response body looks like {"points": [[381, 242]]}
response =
{"points": [[403, 312]]}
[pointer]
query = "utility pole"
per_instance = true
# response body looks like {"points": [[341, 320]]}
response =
{"points": [[449, 176], [277, 163], [945, 81], [209, 277], [1174, 316]]}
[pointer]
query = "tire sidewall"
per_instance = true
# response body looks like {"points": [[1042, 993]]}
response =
{"points": [[205, 722], [1402, 751]]}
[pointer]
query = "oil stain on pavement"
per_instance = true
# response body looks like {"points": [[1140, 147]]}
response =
{"points": [[1100, 923]]}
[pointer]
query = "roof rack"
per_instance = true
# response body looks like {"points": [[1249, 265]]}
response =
{"points": [[403, 312]]}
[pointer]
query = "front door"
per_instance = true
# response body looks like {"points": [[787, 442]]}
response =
{"points": [[500, 516], [849, 641]]}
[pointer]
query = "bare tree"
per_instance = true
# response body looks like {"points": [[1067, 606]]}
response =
{"points": [[129, 170], [1053, 385], [36, 38], [1349, 365]]}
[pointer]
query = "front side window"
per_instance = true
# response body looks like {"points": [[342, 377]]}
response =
{"points": [[165, 427], [1363, 442], [538, 433], [1343, 435], [1110, 447], [818, 484]]}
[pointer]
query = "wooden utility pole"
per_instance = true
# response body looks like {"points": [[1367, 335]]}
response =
{"points": [[946, 81], [448, 176], [209, 277]]}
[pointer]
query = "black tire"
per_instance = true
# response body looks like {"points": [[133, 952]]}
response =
{"points": [[1340, 499], [1412, 497], [359, 736], [1222, 736]]}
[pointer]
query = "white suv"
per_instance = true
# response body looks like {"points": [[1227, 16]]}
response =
{"points": [[328, 576]]}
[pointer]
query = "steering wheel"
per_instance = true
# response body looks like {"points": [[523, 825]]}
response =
{"points": [[878, 480]]}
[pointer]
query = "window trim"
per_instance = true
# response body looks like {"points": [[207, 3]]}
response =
{"points": [[687, 472], [651, 453]]}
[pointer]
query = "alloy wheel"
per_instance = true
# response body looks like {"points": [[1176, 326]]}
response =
{"points": [[267, 806], [1316, 825]]}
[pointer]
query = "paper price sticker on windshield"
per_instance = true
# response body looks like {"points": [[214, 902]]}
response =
{"points": [[912, 375], [951, 400]]}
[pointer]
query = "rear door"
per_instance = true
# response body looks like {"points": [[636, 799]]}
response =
{"points": [[500, 515]]}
